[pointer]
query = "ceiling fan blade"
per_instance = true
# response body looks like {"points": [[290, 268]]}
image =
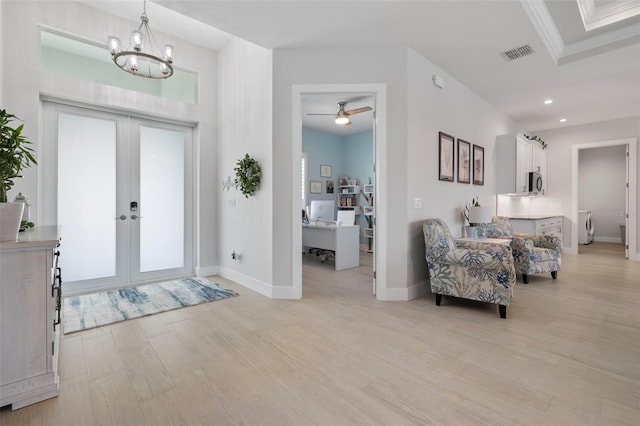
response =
{"points": [[358, 110], [315, 113]]}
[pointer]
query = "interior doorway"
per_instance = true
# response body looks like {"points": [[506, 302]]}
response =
{"points": [[375, 95], [622, 209]]}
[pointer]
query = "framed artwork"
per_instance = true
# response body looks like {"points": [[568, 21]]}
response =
{"points": [[325, 171], [478, 165], [464, 161], [445, 150], [316, 187], [329, 187]]}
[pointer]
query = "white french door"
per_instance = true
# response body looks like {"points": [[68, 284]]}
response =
{"points": [[121, 189]]}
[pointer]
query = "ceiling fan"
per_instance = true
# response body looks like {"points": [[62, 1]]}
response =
{"points": [[342, 117]]}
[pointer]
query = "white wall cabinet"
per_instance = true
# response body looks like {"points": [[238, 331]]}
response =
{"points": [[516, 156], [30, 296]]}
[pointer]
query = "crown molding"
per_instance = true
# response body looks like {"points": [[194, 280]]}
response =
{"points": [[543, 23], [599, 16], [563, 53]]}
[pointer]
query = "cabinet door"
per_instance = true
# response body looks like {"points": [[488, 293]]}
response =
{"points": [[523, 164]]}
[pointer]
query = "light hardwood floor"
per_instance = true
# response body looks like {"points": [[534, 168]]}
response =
{"points": [[567, 354]]}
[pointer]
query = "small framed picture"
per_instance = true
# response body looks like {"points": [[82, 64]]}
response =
{"points": [[445, 150], [464, 161], [478, 165], [329, 187], [325, 171], [316, 187]]}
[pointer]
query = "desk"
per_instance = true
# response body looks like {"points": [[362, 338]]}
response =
{"points": [[343, 240]]}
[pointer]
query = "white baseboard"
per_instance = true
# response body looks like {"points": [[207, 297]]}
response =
{"points": [[402, 294], [272, 292], [205, 271], [608, 239]]}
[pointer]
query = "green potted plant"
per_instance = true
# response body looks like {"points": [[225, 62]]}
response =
{"points": [[15, 155]]}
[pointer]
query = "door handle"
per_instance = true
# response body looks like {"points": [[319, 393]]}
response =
{"points": [[122, 217], [134, 217]]}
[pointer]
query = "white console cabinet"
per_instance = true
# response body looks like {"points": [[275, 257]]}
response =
{"points": [[545, 225], [30, 295]]}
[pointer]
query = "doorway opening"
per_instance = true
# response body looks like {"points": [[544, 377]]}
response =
{"points": [[352, 184], [604, 205]]}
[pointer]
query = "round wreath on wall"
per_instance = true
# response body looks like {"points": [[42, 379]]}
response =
{"points": [[248, 175]]}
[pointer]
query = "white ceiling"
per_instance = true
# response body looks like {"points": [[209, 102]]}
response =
{"points": [[591, 75]]}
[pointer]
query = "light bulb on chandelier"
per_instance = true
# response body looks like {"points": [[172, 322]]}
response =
{"points": [[141, 57]]}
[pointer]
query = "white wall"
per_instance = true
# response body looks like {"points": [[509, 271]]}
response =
{"points": [[601, 189], [25, 84], [458, 111], [416, 111], [2, 39], [245, 127], [560, 142], [338, 66]]}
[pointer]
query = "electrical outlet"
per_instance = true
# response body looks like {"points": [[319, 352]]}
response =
{"points": [[231, 203], [417, 203]]}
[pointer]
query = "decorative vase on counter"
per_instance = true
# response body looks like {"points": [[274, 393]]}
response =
{"points": [[472, 231], [10, 217]]}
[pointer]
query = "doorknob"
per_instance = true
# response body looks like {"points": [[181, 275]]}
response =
{"points": [[122, 217]]}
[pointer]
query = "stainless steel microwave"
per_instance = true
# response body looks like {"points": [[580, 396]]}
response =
{"points": [[535, 183]]}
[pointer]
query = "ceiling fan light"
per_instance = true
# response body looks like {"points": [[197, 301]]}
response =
{"points": [[343, 120]]}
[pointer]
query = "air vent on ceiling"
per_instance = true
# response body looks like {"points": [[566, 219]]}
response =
{"points": [[518, 52]]}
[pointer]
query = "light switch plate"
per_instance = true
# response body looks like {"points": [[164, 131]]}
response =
{"points": [[417, 203]]}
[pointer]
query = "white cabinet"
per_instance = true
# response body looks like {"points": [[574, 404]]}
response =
{"points": [[545, 225], [516, 156], [30, 296]]}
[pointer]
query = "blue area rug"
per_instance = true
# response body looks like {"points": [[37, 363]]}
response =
{"points": [[93, 310]]}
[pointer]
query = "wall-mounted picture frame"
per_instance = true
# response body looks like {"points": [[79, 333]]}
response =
{"points": [[329, 186], [315, 187], [446, 158], [478, 165], [325, 171], [464, 161]]}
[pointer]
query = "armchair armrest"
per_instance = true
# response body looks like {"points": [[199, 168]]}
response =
{"points": [[542, 241], [488, 257]]}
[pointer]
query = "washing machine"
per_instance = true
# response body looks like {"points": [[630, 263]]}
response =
{"points": [[585, 227]]}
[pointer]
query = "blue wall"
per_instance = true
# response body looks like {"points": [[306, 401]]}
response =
{"points": [[347, 155]]}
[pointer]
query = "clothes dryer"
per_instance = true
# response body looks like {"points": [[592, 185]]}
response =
{"points": [[585, 227]]}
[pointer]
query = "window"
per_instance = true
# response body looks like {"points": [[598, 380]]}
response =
{"points": [[85, 60]]}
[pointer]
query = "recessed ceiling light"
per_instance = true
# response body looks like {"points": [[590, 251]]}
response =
{"points": [[562, 120], [548, 101]]}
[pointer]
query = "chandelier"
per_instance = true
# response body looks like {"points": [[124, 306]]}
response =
{"points": [[141, 57]]}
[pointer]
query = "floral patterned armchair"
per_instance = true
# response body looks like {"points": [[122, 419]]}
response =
{"points": [[471, 270], [532, 253]]}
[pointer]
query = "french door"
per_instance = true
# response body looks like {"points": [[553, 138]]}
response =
{"points": [[121, 189]]}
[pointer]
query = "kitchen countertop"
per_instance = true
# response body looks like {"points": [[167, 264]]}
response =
{"points": [[535, 216]]}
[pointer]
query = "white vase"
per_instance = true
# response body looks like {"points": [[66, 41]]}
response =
{"points": [[10, 217], [472, 231]]}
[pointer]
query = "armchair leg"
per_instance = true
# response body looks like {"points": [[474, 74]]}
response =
{"points": [[503, 311], [438, 299], [525, 279], [554, 274]]}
